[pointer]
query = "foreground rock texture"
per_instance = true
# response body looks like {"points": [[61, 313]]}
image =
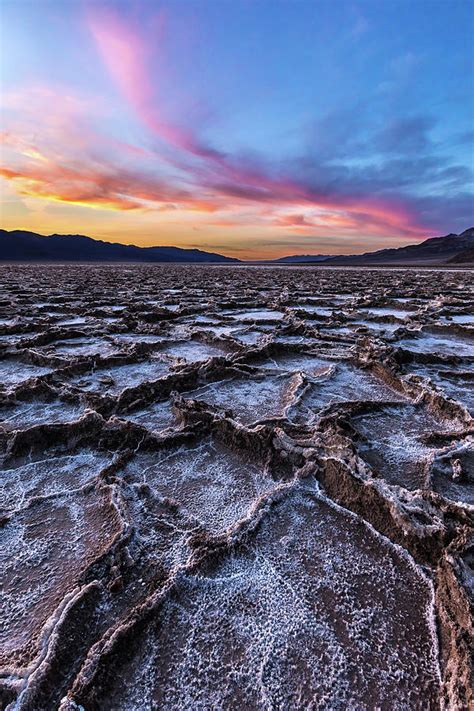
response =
{"points": [[228, 487]]}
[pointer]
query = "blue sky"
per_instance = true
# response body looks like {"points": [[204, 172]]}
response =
{"points": [[254, 128]]}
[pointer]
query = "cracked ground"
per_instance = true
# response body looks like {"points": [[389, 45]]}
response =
{"points": [[236, 488]]}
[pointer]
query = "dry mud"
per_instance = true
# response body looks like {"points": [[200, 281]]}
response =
{"points": [[236, 488]]}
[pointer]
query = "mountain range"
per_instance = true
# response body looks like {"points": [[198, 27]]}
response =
{"points": [[22, 246], [452, 248]]}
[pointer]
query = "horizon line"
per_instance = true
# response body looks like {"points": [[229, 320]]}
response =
{"points": [[223, 253]]}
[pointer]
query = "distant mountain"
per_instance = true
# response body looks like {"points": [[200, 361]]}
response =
{"points": [[452, 249], [436, 250], [300, 258], [465, 257], [21, 246]]}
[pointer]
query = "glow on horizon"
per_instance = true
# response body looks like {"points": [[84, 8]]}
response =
{"points": [[129, 128]]}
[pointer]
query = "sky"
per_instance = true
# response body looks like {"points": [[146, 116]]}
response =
{"points": [[253, 128]]}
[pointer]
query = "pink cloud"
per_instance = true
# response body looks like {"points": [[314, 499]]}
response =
{"points": [[72, 162], [126, 55]]}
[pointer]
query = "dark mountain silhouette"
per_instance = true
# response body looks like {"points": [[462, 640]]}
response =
{"points": [[451, 248], [21, 246], [435, 250], [464, 257]]}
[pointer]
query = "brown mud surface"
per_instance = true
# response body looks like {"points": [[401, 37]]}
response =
{"points": [[236, 488]]}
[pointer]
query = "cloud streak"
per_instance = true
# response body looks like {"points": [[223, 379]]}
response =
{"points": [[125, 53]]}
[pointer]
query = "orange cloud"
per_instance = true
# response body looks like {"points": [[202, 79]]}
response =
{"points": [[70, 161]]}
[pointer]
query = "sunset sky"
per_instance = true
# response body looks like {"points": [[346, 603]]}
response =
{"points": [[252, 128]]}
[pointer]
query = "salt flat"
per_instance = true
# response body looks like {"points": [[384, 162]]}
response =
{"points": [[228, 487]]}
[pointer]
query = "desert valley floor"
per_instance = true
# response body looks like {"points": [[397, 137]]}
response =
{"points": [[236, 488]]}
